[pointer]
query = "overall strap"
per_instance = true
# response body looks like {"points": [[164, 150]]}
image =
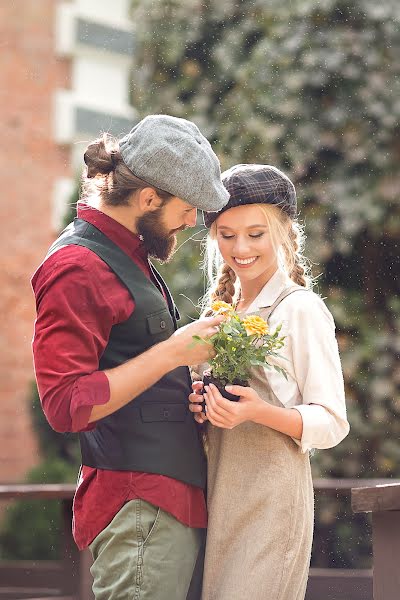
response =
{"points": [[261, 382], [268, 310]]}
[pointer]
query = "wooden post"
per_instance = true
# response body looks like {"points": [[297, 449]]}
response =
{"points": [[383, 501]]}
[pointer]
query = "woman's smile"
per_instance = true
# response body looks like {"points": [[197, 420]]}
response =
{"points": [[245, 262]]}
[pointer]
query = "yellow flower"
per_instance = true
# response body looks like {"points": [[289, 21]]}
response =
{"points": [[219, 306], [255, 325]]}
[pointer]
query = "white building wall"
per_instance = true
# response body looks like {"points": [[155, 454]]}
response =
{"points": [[97, 36], [115, 11]]}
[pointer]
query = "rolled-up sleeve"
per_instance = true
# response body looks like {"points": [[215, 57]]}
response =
{"points": [[74, 320], [318, 373]]}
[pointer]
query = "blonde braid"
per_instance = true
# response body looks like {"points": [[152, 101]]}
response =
{"points": [[298, 271], [224, 288]]}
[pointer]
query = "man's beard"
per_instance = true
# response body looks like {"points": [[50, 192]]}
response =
{"points": [[159, 242]]}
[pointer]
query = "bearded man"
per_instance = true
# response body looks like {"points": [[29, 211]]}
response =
{"points": [[111, 365]]}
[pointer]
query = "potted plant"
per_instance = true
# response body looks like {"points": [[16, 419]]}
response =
{"points": [[240, 344]]}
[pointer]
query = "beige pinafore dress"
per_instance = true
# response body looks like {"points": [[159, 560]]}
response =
{"points": [[261, 508]]}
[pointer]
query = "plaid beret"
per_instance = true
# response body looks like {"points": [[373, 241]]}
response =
{"points": [[256, 184]]}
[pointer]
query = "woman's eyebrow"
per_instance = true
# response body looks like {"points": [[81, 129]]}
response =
{"points": [[258, 226]]}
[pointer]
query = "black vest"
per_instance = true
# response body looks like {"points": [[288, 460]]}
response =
{"points": [[155, 432]]}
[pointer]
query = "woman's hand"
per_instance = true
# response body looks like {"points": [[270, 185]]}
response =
{"points": [[195, 399], [226, 414]]}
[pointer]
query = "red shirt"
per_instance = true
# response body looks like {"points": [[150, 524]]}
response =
{"points": [[78, 300]]}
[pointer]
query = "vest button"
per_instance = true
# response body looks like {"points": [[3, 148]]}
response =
{"points": [[162, 324], [165, 413]]}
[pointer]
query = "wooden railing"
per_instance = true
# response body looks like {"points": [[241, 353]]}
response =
{"points": [[70, 578]]}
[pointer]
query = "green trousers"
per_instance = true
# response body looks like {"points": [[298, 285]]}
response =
{"points": [[146, 554]]}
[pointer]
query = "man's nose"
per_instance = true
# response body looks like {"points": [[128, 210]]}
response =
{"points": [[191, 218]]}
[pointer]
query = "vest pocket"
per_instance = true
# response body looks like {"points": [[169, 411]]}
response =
{"points": [[161, 411], [159, 322]]}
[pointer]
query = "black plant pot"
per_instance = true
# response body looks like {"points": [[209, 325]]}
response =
{"points": [[208, 378]]}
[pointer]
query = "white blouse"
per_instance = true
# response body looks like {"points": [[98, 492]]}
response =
{"points": [[311, 360]]}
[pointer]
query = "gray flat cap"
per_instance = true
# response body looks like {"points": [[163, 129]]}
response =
{"points": [[173, 155]]}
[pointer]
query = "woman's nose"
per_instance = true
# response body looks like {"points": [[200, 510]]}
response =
{"points": [[241, 247]]}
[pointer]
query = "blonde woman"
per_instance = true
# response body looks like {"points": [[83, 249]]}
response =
{"points": [[260, 494]]}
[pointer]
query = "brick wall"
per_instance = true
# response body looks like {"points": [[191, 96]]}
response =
{"points": [[30, 163]]}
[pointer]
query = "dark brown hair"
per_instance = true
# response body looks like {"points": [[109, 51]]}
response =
{"points": [[108, 177]]}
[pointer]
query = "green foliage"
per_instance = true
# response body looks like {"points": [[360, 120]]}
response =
{"points": [[32, 529], [312, 87]]}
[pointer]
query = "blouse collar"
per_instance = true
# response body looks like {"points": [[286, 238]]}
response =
{"points": [[271, 291]]}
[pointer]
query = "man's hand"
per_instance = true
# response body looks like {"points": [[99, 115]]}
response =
{"points": [[186, 349], [133, 377], [195, 399]]}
